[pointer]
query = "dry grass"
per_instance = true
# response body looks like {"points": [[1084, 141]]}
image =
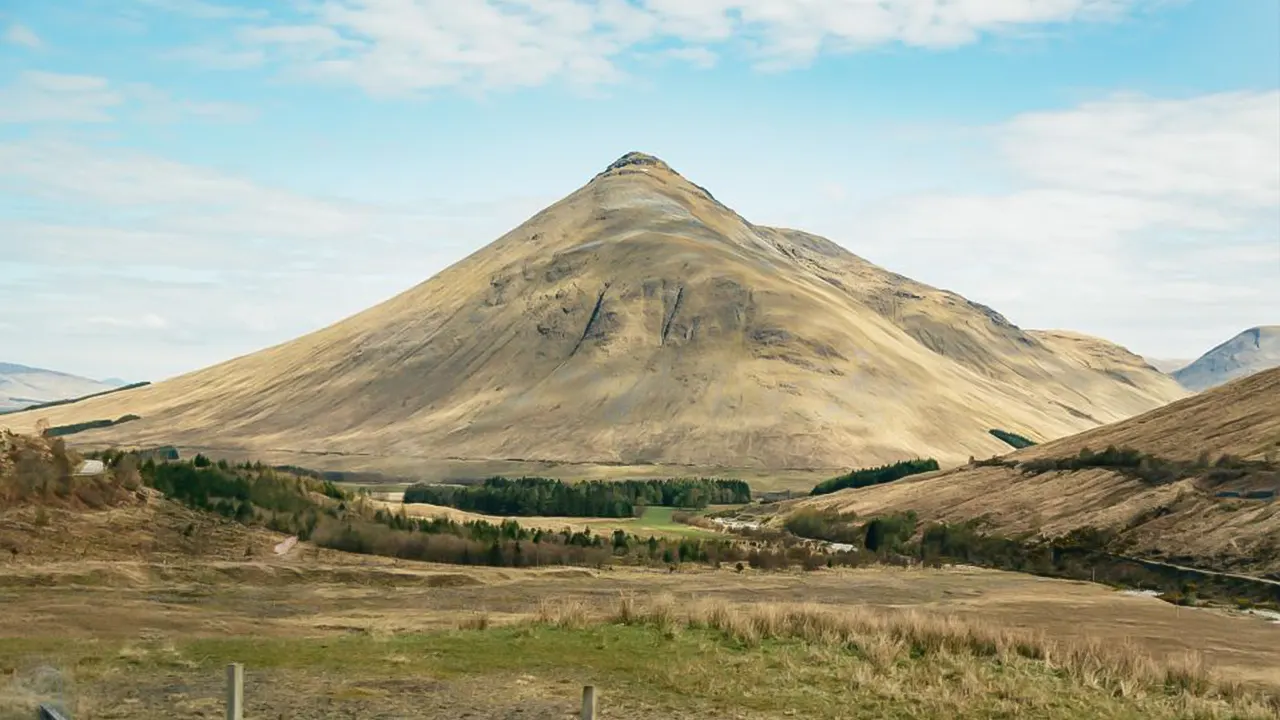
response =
{"points": [[760, 652], [1182, 519], [479, 620], [888, 639]]}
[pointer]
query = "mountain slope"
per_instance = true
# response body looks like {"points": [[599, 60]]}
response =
{"points": [[22, 386], [1249, 352], [639, 320], [1184, 520]]}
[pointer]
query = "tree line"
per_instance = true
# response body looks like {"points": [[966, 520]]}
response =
{"points": [[1012, 439], [508, 544], [249, 493], [875, 475], [533, 496]]}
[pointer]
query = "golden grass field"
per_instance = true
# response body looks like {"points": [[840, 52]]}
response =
{"points": [[139, 620]]}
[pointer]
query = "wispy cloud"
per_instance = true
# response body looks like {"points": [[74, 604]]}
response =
{"points": [[698, 57], [18, 34], [404, 46], [165, 266], [1130, 211], [201, 10], [155, 105], [52, 97], [44, 97], [1223, 147]]}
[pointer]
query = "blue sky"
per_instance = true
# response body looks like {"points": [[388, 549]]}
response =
{"points": [[183, 181]]}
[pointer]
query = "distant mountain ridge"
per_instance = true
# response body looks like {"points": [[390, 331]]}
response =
{"points": [[1252, 351], [22, 386]]}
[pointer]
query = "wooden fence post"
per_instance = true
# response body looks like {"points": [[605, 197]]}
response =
{"points": [[235, 691], [589, 702]]}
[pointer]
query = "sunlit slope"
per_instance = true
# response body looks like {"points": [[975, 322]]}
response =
{"points": [[639, 320]]}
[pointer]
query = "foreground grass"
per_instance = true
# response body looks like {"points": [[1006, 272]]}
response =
{"points": [[712, 659]]}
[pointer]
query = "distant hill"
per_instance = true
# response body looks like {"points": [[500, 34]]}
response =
{"points": [[1251, 351], [1181, 501], [640, 321], [22, 386]]}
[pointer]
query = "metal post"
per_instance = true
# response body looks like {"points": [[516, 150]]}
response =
{"points": [[45, 712], [589, 702], [235, 691]]}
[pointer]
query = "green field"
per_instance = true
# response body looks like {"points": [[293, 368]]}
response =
{"points": [[765, 665], [657, 521], [654, 521]]}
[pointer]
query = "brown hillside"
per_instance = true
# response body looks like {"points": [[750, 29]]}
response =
{"points": [[1183, 521], [638, 320]]}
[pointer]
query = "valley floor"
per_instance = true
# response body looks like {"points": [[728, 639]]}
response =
{"points": [[324, 634]]}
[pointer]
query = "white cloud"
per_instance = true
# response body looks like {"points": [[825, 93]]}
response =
{"points": [[38, 97], [1149, 221], [51, 97], [184, 198], [155, 105], [18, 34], [1223, 147], [698, 57], [402, 46], [166, 267]]}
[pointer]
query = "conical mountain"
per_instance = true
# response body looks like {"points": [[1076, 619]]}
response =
{"points": [[638, 320]]}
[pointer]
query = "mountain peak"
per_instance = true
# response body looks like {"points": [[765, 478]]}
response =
{"points": [[638, 159], [643, 164]]}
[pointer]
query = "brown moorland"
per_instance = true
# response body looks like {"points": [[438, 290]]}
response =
{"points": [[1187, 502]]}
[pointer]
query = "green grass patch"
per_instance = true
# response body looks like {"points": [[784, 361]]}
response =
{"points": [[697, 671], [657, 520]]}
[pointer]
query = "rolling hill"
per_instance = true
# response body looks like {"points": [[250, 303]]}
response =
{"points": [[22, 386], [638, 321], [1251, 351], [1203, 515]]}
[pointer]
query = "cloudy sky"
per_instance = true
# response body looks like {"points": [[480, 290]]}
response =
{"points": [[184, 181]]}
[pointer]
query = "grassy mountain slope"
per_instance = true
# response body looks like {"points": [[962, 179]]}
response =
{"points": [[1198, 516], [638, 320]]}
